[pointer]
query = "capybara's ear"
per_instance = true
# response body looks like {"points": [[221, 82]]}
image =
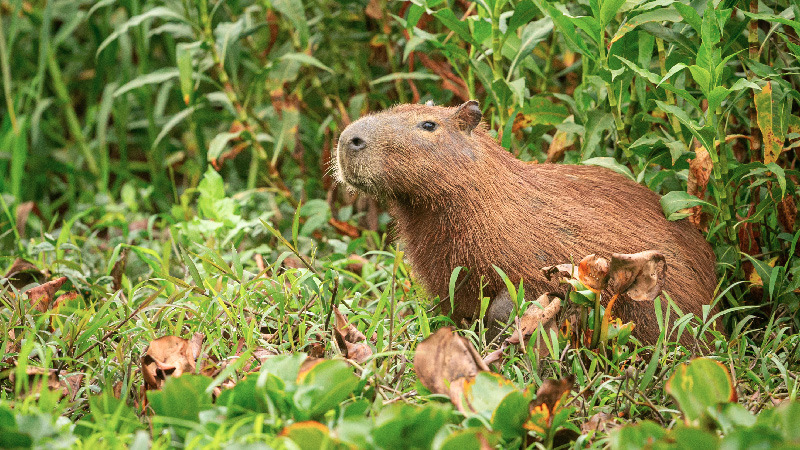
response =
{"points": [[468, 116]]}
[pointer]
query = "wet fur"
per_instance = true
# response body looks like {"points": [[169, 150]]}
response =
{"points": [[459, 199]]}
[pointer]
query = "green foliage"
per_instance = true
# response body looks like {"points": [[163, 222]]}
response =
{"points": [[169, 158], [704, 391]]}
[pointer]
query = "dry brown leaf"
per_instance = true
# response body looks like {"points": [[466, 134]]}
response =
{"points": [[38, 377], [23, 211], [118, 270], [639, 275], [352, 343], [787, 213], [447, 363], [543, 311], [561, 142], [356, 264], [374, 10], [169, 356], [23, 273], [548, 400], [600, 423], [593, 272], [307, 365], [41, 297]]}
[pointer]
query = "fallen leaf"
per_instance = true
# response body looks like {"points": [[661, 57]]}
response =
{"points": [[169, 356], [447, 363], [593, 272], [352, 343], [41, 297], [23, 211], [39, 377], [23, 273], [561, 142], [549, 399], [639, 275], [541, 312], [118, 270], [600, 423], [787, 213]]}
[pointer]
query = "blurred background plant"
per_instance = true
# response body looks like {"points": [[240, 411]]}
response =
{"points": [[168, 157]]}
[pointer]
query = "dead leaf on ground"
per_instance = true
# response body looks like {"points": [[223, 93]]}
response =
{"points": [[562, 271], [543, 311], [169, 356], [352, 343], [307, 365], [593, 272], [23, 212], [23, 273], [41, 297], [447, 363], [549, 399], [561, 142], [600, 423], [118, 270], [639, 275], [787, 213], [38, 377]]}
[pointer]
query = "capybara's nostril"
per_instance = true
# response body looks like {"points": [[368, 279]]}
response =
{"points": [[357, 143]]}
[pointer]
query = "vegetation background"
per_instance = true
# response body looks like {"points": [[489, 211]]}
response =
{"points": [[170, 160]]}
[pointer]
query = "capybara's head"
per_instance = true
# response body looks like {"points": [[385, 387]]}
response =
{"points": [[398, 152]]}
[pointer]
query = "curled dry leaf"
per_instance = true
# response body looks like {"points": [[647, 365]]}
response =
{"points": [[639, 275], [549, 399], [562, 271], [352, 343], [447, 363], [41, 297], [169, 356], [38, 377], [23, 273], [543, 311], [561, 142], [593, 272], [118, 270]]}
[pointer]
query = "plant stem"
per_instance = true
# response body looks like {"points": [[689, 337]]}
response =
{"points": [[7, 80], [72, 118], [662, 64]]}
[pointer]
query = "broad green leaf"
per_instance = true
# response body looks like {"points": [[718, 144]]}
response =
{"points": [[488, 391], [610, 163], [294, 11], [597, 124], [307, 60], [701, 384], [673, 202], [690, 15], [709, 27], [524, 12], [635, 437], [702, 77], [155, 77], [608, 9], [659, 15], [567, 29], [703, 134], [323, 388], [448, 18], [770, 119], [404, 76], [532, 35], [540, 110], [182, 397], [218, 144], [171, 123], [159, 12], [511, 414], [183, 55]]}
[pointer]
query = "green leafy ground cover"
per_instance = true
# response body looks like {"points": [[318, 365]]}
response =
{"points": [[169, 159]]}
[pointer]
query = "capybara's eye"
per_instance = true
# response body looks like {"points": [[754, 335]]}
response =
{"points": [[428, 125]]}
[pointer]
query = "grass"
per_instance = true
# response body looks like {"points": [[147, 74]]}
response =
{"points": [[169, 159]]}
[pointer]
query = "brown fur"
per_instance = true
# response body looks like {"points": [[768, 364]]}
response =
{"points": [[460, 199]]}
